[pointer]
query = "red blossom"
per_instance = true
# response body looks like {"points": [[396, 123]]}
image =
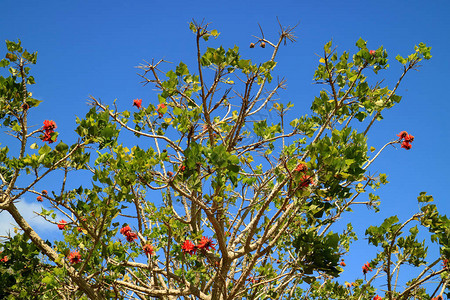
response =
{"points": [[301, 167], [79, 229], [377, 298], [148, 249], [62, 224], [159, 109], [306, 180], [406, 145], [131, 236], [342, 263], [125, 230], [439, 297], [402, 134], [366, 268], [170, 174], [182, 168], [4, 259], [409, 138], [49, 125], [47, 137], [206, 243], [74, 257], [372, 52], [189, 247], [44, 192], [39, 198], [445, 263], [137, 103]]}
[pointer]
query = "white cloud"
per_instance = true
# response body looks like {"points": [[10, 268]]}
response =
{"points": [[27, 209]]}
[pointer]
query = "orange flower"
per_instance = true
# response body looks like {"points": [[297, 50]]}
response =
{"points": [[372, 52], [189, 247], [39, 198], [125, 230], [4, 259], [306, 180], [137, 103], [148, 249], [206, 243], [377, 298], [131, 236], [44, 192], [342, 263], [301, 168], [406, 145], [49, 125], [74, 257], [161, 109], [402, 134], [62, 224], [366, 268]]}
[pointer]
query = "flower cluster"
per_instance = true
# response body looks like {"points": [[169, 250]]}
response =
{"points": [[74, 257], [406, 139], [161, 109], [62, 224], [446, 264], [148, 249], [377, 298], [137, 103], [366, 268], [305, 180], [130, 235], [49, 129], [205, 244]]}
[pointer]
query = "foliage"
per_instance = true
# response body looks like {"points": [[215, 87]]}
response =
{"points": [[247, 204]]}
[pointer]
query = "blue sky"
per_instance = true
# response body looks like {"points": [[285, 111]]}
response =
{"points": [[92, 47]]}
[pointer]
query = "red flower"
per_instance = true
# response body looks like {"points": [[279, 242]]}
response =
{"points": [[439, 297], [342, 263], [148, 249], [74, 257], [306, 180], [372, 52], [49, 125], [62, 224], [131, 236], [366, 268], [39, 198], [79, 229], [301, 168], [206, 243], [4, 259], [409, 138], [182, 168], [189, 247], [170, 174], [137, 103], [406, 145], [125, 230], [161, 107], [445, 263], [47, 137], [377, 298], [402, 134], [44, 192]]}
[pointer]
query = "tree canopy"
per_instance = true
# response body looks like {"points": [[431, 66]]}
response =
{"points": [[196, 194]]}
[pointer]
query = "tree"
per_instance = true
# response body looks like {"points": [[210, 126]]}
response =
{"points": [[247, 207]]}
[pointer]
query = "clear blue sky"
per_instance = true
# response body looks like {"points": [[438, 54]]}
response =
{"points": [[91, 48]]}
